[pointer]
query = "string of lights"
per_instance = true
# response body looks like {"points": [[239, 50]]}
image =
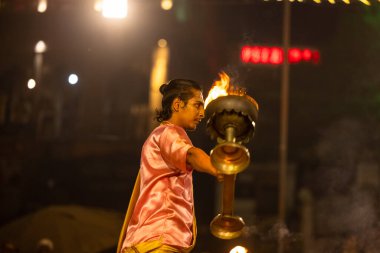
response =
{"points": [[43, 5]]}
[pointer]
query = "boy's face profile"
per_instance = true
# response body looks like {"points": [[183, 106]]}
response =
{"points": [[190, 114]]}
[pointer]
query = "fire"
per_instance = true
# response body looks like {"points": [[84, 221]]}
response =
{"points": [[219, 88], [223, 87]]}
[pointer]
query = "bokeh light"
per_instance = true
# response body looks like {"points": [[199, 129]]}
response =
{"points": [[239, 249], [162, 43], [117, 9], [98, 5], [40, 47], [31, 84], [42, 6], [73, 79], [167, 4]]}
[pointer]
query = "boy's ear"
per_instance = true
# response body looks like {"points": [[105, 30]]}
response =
{"points": [[176, 104]]}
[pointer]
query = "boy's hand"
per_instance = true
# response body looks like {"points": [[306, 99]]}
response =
{"points": [[219, 177]]}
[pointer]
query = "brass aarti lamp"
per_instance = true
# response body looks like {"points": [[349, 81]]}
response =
{"points": [[231, 121]]}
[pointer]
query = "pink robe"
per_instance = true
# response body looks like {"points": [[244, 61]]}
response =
{"points": [[164, 209]]}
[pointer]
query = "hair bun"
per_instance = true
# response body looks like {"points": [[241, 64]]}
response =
{"points": [[163, 88]]}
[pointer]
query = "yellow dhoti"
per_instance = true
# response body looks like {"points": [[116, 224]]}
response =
{"points": [[151, 247]]}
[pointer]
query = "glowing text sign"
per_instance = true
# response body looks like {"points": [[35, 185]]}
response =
{"points": [[275, 55]]}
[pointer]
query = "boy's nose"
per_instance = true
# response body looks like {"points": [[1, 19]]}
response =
{"points": [[202, 113]]}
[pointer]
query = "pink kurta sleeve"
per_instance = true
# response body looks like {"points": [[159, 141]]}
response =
{"points": [[174, 145]]}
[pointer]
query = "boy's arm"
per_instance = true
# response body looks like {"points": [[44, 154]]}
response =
{"points": [[200, 161]]}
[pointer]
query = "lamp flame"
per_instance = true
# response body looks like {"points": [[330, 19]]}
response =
{"points": [[223, 87], [219, 88]]}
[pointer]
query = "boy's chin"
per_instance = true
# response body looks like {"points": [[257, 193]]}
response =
{"points": [[191, 128]]}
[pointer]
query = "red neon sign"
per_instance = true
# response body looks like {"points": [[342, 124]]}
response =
{"points": [[275, 55]]}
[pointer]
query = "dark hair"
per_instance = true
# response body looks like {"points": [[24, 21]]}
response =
{"points": [[176, 88]]}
